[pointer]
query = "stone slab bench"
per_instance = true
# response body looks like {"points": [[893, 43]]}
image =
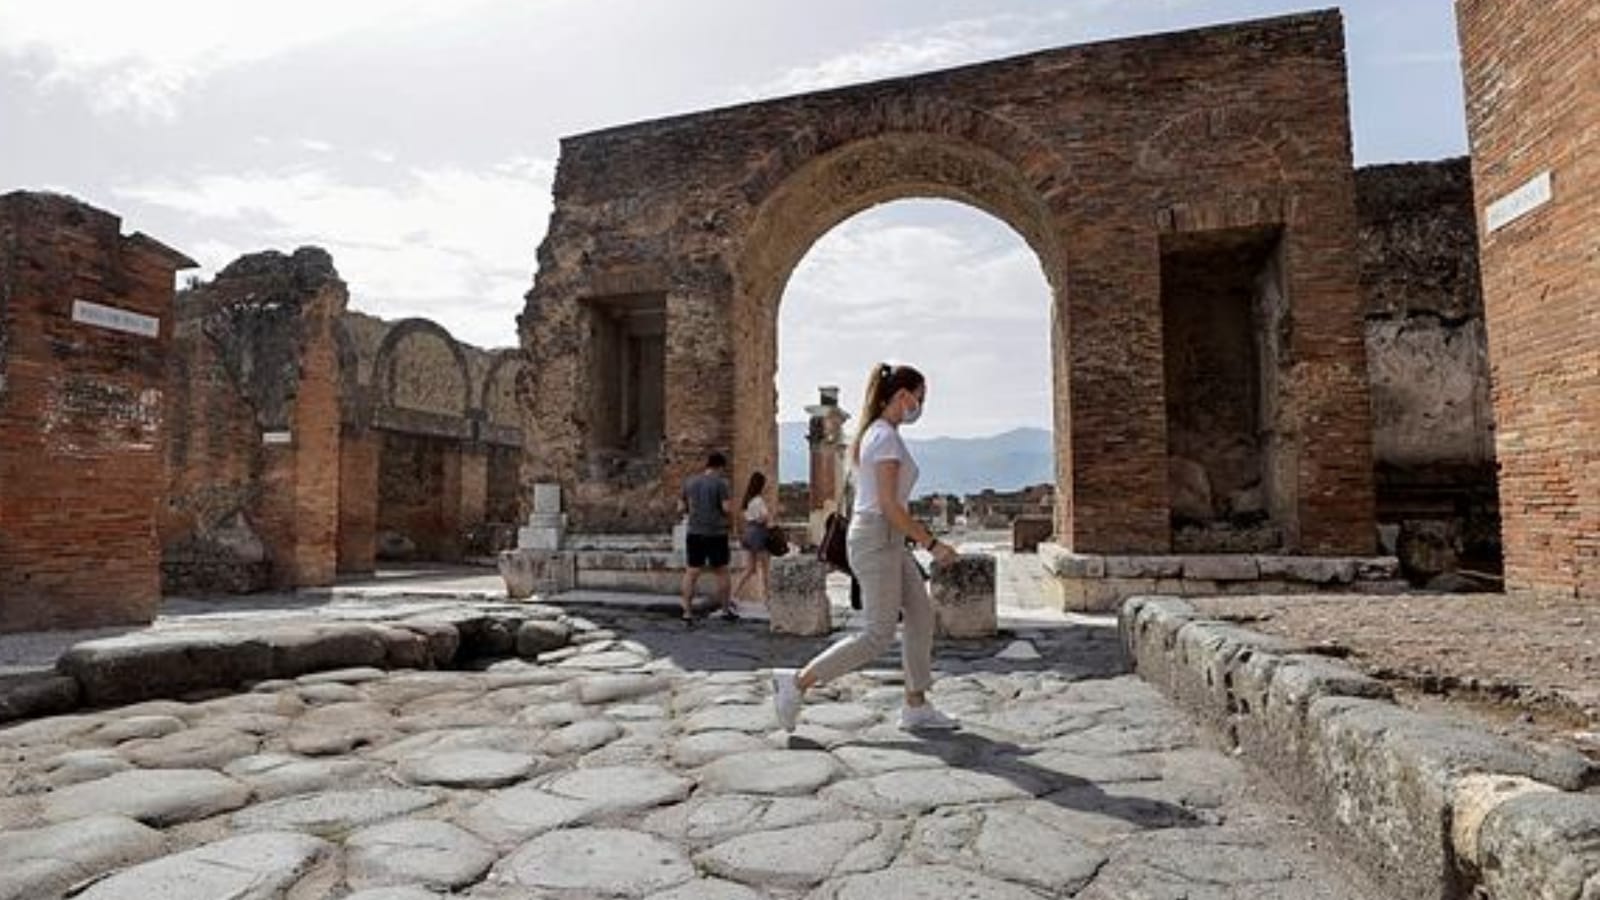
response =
{"points": [[797, 599], [965, 598], [1089, 582], [1436, 807]]}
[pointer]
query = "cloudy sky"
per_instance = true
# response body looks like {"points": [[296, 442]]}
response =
{"points": [[416, 139]]}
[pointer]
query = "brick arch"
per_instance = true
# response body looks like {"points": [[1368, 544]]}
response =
{"points": [[508, 364], [850, 178], [384, 373]]}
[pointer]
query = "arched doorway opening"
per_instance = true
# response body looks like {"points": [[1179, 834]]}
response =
{"points": [[958, 293]]}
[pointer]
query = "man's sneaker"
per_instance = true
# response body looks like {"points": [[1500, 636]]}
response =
{"points": [[786, 698], [925, 718]]}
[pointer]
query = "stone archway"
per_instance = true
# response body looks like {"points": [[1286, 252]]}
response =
{"points": [[650, 329]]}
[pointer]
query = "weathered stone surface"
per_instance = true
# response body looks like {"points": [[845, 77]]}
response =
{"points": [[1063, 563], [468, 768], [273, 775], [76, 766], [1542, 844], [203, 747], [27, 696], [698, 749], [430, 853], [537, 637], [581, 737], [395, 893], [798, 598], [599, 689], [340, 728], [152, 796], [773, 772], [248, 867], [922, 883], [912, 791], [964, 598], [44, 861], [707, 889], [331, 813], [137, 727], [843, 716], [1221, 567], [579, 796], [1143, 566], [750, 718], [803, 856], [710, 818], [357, 675], [1008, 845], [600, 862]]}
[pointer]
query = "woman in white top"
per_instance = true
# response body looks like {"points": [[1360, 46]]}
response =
{"points": [[891, 582], [757, 528]]}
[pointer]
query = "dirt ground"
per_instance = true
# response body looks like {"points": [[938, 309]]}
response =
{"points": [[1527, 667]]}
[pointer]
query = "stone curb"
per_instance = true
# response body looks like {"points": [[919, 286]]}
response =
{"points": [[144, 666], [1436, 808]]}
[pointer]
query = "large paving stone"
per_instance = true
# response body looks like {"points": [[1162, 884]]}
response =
{"points": [[924, 883], [274, 775], [204, 747], [145, 665], [579, 796], [77, 766], [842, 716], [1008, 845], [340, 728], [867, 759], [604, 862], [409, 892], [779, 772], [750, 718], [131, 728], [698, 749], [248, 867], [44, 861], [705, 889], [32, 694], [153, 796], [803, 856], [708, 819], [53, 730], [915, 791], [332, 813], [468, 768], [599, 689], [581, 737], [430, 853]]}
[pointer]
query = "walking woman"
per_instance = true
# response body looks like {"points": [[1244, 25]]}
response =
{"points": [[757, 528], [891, 582]]}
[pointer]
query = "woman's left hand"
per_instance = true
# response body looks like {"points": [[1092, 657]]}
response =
{"points": [[944, 554]]}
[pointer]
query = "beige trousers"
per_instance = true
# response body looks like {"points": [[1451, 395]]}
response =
{"points": [[891, 585]]}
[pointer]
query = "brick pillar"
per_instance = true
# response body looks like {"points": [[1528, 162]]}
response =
{"points": [[474, 484], [358, 500], [451, 503], [85, 332]]}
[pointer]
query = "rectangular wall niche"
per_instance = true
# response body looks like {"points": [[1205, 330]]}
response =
{"points": [[627, 415], [1221, 292]]}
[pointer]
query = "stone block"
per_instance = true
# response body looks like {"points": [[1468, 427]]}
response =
{"points": [[547, 499], [1314, 569], [798, 602], [527, 572], [1541, 844], [1144, 566], [1058, 560], [296, 651], [1377, 568], [964, 598], [1221, 567], [145, 666], [1028, 532], [32, 695]]}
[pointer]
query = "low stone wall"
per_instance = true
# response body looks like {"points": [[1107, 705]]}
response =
{"points": [[1094, 583], [1437, 808]]}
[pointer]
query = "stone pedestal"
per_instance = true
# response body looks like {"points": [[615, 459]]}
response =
{"points": [[1028, 532], [529, 572], [798, 601], [964, 598], [547, 524]]}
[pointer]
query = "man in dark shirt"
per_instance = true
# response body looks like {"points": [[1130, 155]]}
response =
{"points": [[708, 499]]}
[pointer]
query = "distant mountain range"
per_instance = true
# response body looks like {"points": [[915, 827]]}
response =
{"points": [[1005, 462]]}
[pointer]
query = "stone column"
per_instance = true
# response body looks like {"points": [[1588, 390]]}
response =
{"points": [[825, 435], [359, 453]]}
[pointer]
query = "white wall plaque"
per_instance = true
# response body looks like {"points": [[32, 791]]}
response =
{"points": [[1519, 202], [115, 319], [276, 437]]}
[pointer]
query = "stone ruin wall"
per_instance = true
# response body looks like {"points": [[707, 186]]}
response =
{"points": [[1427, 353], [310, 440], [83, 414]]}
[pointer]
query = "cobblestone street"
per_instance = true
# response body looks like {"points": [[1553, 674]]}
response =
{"points": [[646, 762]]}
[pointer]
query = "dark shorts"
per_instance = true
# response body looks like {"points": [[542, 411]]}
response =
{"points": [[755, 537], [709, 551]]}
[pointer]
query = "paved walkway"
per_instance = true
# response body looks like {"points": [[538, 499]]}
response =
{"points": [[646, 762]]}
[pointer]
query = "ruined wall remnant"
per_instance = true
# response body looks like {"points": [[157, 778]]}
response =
{"points": [[1096, 155], [1433, 423], [254, 459], [85, 336], [1533, 111]]}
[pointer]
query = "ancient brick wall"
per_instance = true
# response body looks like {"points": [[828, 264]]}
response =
{"points": [[1533, 108], [1092, 153], [257, 375], [1433, 422], [83, 410]]}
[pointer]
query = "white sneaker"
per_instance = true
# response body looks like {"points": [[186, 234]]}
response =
{"points": [[786, 698], [925, 718]]}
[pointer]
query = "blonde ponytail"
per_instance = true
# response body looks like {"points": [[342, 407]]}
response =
{"points": [[883, 382]]}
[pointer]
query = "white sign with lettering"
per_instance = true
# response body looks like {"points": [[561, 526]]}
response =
{"points": [[115, 319], [1519, 202], [276, 437]]}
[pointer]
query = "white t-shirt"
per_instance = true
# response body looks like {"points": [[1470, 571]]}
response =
{"points": [[756, 511], [882, 443]]}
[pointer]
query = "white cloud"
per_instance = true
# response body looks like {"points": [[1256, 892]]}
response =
{"points": [[961, 296], [141, 57], [452, 244]]}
